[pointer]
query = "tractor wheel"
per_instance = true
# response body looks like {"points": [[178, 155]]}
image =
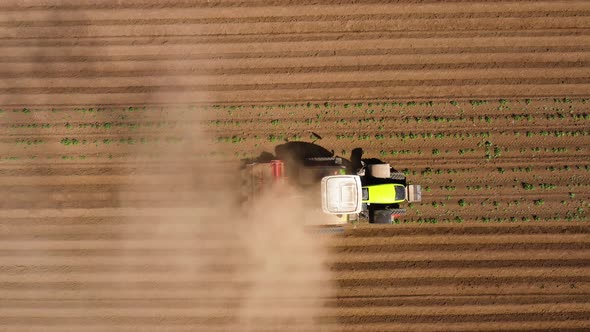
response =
{"points": [[398, 176], [397, 212], [380, 217], [381, 171]]}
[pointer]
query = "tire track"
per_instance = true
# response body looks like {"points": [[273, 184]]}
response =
{"points": [[575, 43], [483, 8], [216, 29], [293, 69], [320, 55], [332, 63]]}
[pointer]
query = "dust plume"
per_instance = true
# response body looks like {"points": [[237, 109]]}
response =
{"points": [[167, 248], [247, 268]]}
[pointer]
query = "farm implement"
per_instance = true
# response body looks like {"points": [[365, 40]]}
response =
{"points": [[346, 190]]}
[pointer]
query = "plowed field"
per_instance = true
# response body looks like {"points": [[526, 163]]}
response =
{"points": [[121, 125]]}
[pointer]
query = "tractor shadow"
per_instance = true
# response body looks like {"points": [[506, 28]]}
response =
{"points": [[299, 153], [297, 150]]}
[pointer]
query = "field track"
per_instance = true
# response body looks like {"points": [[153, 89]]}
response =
{"points": [[60, 273], [90, 54], [476, 100]]}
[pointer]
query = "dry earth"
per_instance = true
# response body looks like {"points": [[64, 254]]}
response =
{"points": [[116, 170]]}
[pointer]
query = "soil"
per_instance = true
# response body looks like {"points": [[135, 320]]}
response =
{"points": [[122, 127]]}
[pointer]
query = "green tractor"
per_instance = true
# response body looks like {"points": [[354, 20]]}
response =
{"points": [[383, 192], [377, 189]]}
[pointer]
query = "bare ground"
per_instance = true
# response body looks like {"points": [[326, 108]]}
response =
{"points": [[128, 234]]}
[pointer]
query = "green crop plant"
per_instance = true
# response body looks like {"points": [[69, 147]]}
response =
{"points": [[426, 171], [363, 137], [539, 202], [497, 152], [275, 138], [70, 141], [29, 141], [527, 186], [427, 220], [547, 186], [559, 150], [478, 102]]}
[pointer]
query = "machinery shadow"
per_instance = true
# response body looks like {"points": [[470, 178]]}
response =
{"points": [[297, 152]]}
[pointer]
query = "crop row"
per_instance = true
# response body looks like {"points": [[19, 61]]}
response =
{"points": [[123, 140], [472, 102], [403, 136], [370, 107], [459, 219]]}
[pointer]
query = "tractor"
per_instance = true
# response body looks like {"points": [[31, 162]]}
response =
{"points": [[346, 189], [383, 190]]}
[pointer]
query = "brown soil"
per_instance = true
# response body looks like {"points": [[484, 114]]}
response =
{"points": [[133, 227]]}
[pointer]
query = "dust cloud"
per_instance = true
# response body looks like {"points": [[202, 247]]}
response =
{"points": [[240, 267], [172, 248]]}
